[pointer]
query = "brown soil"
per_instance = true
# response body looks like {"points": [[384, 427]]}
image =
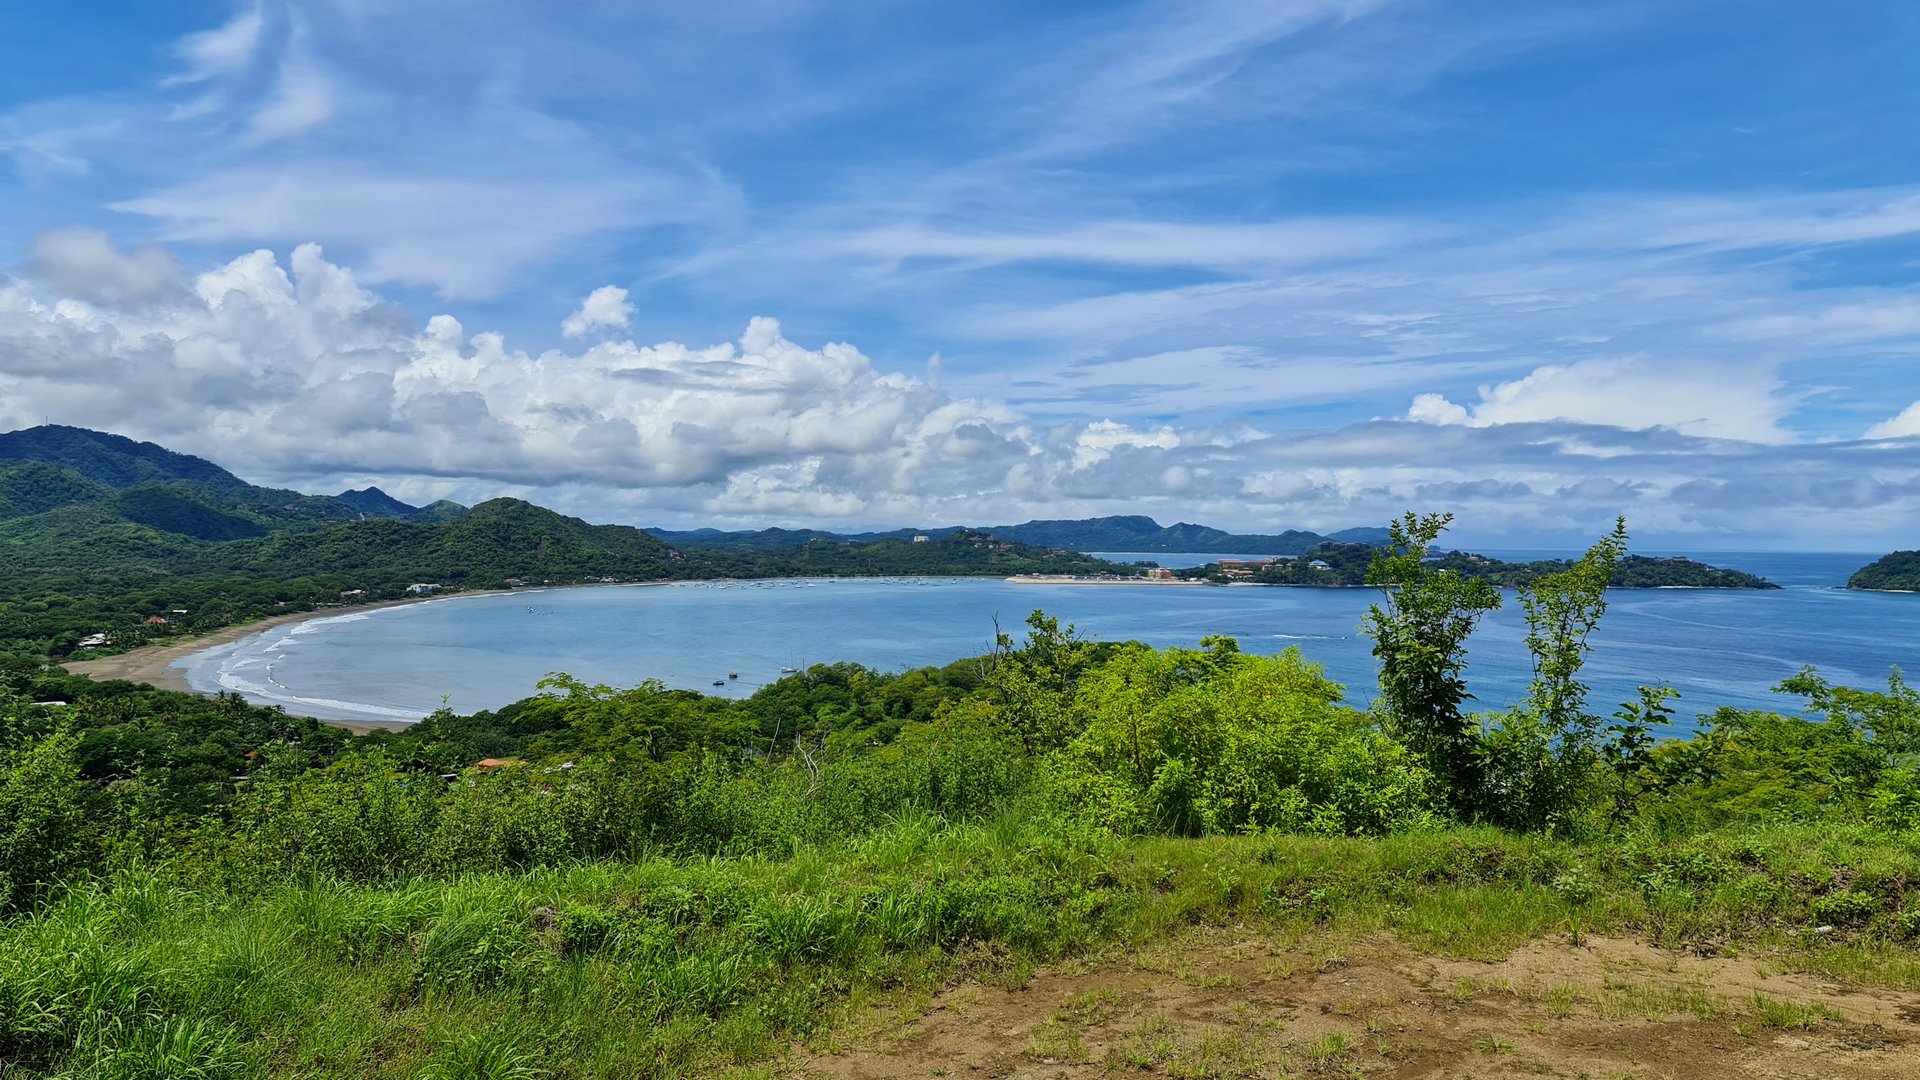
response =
{"points": [[1232, 1004]]}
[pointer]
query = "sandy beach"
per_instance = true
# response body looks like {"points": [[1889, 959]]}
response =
{"points": [[153, 664]]}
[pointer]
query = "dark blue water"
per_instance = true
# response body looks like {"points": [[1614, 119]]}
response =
{"points": [[1717, 647]]}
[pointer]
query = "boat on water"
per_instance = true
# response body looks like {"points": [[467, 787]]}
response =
{"points": [[788, 670], [719, 682], [733, 674]]}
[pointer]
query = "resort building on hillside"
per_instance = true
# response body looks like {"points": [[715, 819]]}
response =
{"points": [[422, 588]]}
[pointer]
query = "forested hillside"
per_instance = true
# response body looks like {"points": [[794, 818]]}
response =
{"points": [[122, 482], [1899, 570]]}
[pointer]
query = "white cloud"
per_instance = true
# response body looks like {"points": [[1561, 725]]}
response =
{"points": [[292, 371], [1713, 400], [1144, 243], [606, 307], [441, 231], [303, 96], [1905, 424], [223, 50]]}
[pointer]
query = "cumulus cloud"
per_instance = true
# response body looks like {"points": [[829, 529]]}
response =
{"points": [[606, 307], [292, 371], [1712, 399]]}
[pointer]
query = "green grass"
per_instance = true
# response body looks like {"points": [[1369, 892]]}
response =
{"points": [[659, 967]]}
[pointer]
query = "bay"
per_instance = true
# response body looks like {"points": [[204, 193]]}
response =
{"points": [[1717, 647]]}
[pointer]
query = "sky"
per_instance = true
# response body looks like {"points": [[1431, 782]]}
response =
{"points": [[1284, 264]]}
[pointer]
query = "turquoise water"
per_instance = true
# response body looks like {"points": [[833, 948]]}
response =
{"points": [[470, 653]]}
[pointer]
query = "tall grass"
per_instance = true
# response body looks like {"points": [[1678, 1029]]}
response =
{"points": [[663, 966]]}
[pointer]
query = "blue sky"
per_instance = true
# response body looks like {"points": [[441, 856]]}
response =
{"points": [[1261, 265]]}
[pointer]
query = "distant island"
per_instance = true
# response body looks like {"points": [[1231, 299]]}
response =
{"points": [[1897, 571], [1126, 532], [1338, 565]]}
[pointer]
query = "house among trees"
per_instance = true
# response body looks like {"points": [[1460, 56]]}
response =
{"points": [[422, 588]]}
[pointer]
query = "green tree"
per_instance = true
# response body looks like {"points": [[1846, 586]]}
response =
{"points": [[1419, 632], [44, 831], [1542, 761]]}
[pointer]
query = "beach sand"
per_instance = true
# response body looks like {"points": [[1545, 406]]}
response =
{"points": [[152, 664]]}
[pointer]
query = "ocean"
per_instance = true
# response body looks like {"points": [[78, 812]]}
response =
{"points": [[1717, 647]]}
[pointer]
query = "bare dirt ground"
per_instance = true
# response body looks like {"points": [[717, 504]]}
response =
{"points": [[1241, 1004]]}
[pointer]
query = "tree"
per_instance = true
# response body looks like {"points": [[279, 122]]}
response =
{"points": [[1543, 760], [1562, 610], [1419, 633], [44, 830]]}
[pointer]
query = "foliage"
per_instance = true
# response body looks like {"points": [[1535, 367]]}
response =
{"points": [[1419, 632], [1540, 759], [1897, 571], [45, 834], [1191, 742]]}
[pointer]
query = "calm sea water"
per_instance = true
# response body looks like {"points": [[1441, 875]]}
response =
{"points": [[1716, 647]]}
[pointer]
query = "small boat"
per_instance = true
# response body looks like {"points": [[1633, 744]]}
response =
{"points": [[788, 670], [733, 674], [719, 682]]}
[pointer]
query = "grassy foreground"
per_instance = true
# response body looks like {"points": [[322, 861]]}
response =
{"points": [[655, 966]]}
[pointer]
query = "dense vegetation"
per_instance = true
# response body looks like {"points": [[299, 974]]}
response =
{"points": [[1335, 565], [628, 882], [1899, 570]]}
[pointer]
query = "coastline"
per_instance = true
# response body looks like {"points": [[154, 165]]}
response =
{"points": [[153, 664]]}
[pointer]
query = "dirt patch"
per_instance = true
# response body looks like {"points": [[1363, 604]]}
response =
{"points": [[1245, 1004]]}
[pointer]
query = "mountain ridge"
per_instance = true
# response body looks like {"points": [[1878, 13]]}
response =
{"points": [[1133, 533]]}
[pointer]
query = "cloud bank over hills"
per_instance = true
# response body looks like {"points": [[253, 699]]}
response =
{"points": [[297, 374]]}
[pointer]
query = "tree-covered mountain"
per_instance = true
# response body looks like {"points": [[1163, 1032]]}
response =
{"points": [[1897, 571], [35, 487], [487, 545], [1129, 532], [127, 483], [113, 461], [371, 500]]}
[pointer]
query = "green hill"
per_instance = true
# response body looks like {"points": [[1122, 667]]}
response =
{"points": [[438, 510], [91, 538], [50, 467], [35, 487], [494, 541], [114, 461], [1898, 571], [175, 508], [373, 501]]}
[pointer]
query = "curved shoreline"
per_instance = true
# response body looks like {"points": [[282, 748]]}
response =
{"points": [[154, 664]]}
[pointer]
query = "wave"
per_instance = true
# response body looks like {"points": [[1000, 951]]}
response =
{"points": [[236, 677]]}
